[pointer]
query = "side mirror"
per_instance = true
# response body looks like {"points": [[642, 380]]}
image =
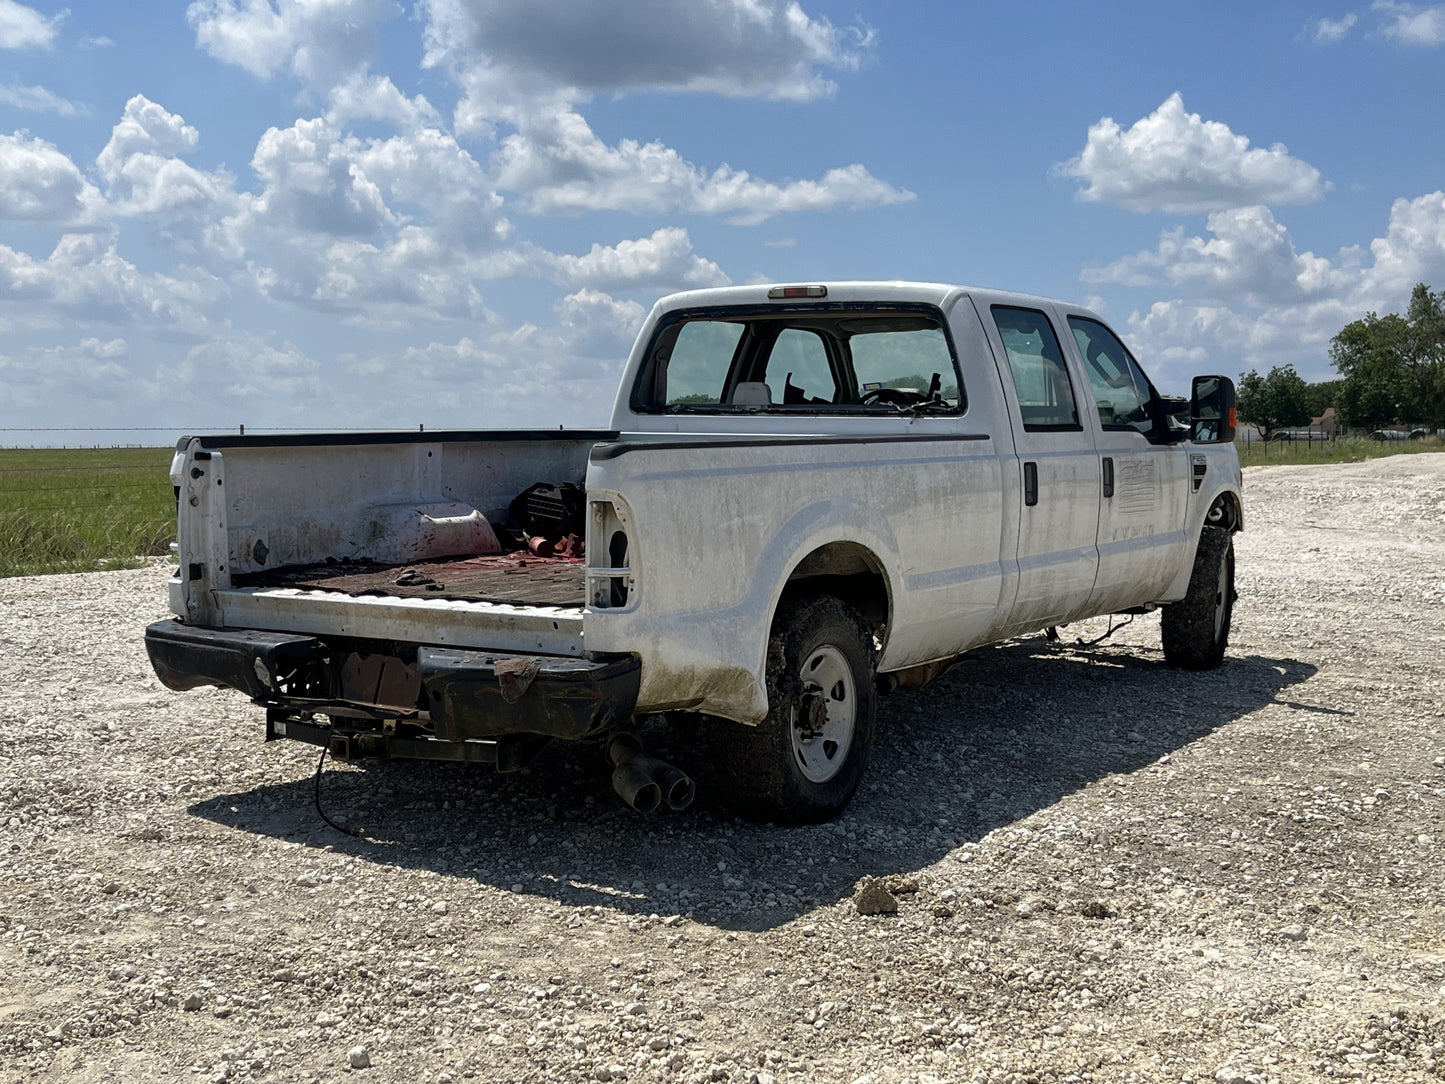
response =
{"points": [[1212, 415]]}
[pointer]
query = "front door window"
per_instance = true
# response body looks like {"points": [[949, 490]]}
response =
{"points": [[1121, 391]]}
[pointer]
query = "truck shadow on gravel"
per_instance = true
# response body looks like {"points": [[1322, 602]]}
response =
{"points": [[1003, 736]]}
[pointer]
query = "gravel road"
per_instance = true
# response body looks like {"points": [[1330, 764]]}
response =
{"points": [[1103, 869]]}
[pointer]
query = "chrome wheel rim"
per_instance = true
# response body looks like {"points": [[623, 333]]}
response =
{"points": [[824, 717]]}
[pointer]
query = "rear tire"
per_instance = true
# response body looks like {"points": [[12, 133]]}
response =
{"points": [[804, 761], [1196, 628]]}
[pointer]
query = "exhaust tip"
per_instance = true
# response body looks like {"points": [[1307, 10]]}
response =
{"points": [[645, 782], [677, 787], [635, 786]]}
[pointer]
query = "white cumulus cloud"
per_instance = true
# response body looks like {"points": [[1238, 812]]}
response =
{"points": [[559, 166], [1177, 162], [146, 177], [1246, 297], [40, 100], [312, 184], [380, 230], [1325, 31], [661, 263], [565, 371], [381, 217], [318, 41], [86, 281], [1413, 248], [145, 128], [40, 184], [1411, 24], [1249, 256], [744, 48], [592, 324], [363, 96], [235, 369], [111, 348], [23, 27], [44, 378], [525, 68]]}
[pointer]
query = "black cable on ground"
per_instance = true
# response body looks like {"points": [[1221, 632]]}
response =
{"points": [[347, 831], [1113, 628]]}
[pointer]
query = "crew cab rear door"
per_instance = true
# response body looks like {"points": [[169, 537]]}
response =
{"points": [[1056, 469]]}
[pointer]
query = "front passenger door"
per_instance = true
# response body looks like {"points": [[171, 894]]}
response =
{"points": [[1145, 478]]}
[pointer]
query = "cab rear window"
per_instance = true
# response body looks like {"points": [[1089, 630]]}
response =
{"points": [[836, 361]]}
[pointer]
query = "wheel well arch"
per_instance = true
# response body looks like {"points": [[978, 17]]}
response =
{"points": [[850, 572], [1226, 512]]}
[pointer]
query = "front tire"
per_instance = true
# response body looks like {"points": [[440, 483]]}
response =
{"points": [[804, 761], [1196, 628]]}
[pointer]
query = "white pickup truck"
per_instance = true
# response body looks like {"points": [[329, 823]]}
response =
{"points": [[809, 495]]}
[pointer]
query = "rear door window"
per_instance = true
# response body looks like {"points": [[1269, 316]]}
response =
{"points": [[1036, 360]]}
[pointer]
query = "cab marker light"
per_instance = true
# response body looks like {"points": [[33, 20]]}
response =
{"points": [[781, 293]]}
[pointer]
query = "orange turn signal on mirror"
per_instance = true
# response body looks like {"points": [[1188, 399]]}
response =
{"points": [[779, 293]]}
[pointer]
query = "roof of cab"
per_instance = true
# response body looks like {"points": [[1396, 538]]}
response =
{"points": [[935, 293]]}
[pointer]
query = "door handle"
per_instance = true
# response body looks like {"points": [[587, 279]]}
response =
{"points": [[1108, 477], [1031, 483]]}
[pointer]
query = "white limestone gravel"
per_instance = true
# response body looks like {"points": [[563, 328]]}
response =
{"points": [[1104, 869]]}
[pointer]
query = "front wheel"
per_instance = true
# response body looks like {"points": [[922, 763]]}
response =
{"points": [[1196, 628], [803, 762]]}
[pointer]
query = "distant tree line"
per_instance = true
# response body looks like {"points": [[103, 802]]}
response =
{"points": [[1392, 372]]}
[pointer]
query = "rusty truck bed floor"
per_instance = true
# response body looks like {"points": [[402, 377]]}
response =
{"points": [[513, 579]]}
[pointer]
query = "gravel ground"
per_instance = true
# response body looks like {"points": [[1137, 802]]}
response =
{"points": [[1102, 869]]}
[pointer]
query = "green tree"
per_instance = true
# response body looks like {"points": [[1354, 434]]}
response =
{"points": [[1370, 401], [1275, 401], [1393, 366], [1320, 396], [1426, 361]]}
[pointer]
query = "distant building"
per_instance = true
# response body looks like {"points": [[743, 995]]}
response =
{"points": [[1325, 423]]}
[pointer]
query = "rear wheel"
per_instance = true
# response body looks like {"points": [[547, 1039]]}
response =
{"points": [[803, 762], [1196, 628]]}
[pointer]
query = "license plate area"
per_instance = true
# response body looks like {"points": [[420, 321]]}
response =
{"points": [[382, 681]]}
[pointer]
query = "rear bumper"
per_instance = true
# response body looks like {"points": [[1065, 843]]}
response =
{"points": [[454, 695], [255, 662]]}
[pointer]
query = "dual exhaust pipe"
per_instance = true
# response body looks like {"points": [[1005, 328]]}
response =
{"points": [[645, 782]]}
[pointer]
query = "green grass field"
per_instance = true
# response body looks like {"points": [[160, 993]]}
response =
{"points": [[1345, 450], [81, 509]]}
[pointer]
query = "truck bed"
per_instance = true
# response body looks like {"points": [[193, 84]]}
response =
{"points": [[510, 579]]}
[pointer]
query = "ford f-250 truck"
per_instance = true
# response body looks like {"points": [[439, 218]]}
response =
{"points": [[808, 495]]}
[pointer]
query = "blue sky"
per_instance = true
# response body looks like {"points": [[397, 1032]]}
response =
{"points": [[377, 213]]}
